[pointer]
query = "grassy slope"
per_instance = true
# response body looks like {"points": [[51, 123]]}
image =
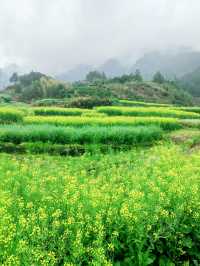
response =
{"points": [[145, 91], [142, 91]]}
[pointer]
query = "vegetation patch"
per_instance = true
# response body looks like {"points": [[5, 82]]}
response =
{"points": [[140, 135], [194, 109], [164, 123], [184, 135], [10, 115], [133, 208], [41, 147], [191, 123], [142, 104], [48, 111], [147, 111]]}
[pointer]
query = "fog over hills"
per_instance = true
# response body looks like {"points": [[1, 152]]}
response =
{"points": [[54, 36], [6, 72], [171, 63], [111, 68], [67, 39], [77, 73]]}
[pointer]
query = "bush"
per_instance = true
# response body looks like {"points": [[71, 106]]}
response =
{"points": [[5, 98], [89, 102], [40, 147], [58, 111]]}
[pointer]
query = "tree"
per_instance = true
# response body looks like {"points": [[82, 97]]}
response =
{"points": [[35, 85], [95, 75], [14, 78], [27, 79], [158, 78], [138, 76]]}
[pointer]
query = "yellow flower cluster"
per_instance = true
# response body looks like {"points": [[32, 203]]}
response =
{"points": [[129, 207]]}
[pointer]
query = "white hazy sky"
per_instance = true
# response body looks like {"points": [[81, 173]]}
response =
{"points": [[54, 35]]}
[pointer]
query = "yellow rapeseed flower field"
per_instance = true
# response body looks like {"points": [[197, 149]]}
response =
{"points": [[127, 208]]}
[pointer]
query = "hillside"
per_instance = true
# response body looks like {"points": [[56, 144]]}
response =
{"points": [[142, 91], [191, 82], [36, 86]]}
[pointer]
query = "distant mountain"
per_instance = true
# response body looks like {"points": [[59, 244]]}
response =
{"points": [[170, 64], [77, 73], [112, 68], [191, 82]]}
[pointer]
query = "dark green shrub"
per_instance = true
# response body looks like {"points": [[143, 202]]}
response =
{"points": [[48, 111], [40, 147], [11, 148], [89, 102]]}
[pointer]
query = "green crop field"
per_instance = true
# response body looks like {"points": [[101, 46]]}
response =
{"points": [[142, 104], [147, 111], [165, 123], [115, 185], [59, 111]]}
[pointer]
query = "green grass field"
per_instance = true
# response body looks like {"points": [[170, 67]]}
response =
{"points": [[108, 186]]}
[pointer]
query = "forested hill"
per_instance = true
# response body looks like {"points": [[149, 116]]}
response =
{"points": [[170, 64], [36, 86], [191, 82]]}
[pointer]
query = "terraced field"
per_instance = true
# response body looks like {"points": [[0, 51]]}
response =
{"points": [[110, 186]]}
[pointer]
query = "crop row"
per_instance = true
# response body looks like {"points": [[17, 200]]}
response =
{"points": [[142, 104], [10, 115], [164, 123], [147, 111], [48, 111], [14, 115], [194, 109], [85, 135]]}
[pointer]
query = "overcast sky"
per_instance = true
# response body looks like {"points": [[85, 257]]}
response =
{"points": [[54, 35]]}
